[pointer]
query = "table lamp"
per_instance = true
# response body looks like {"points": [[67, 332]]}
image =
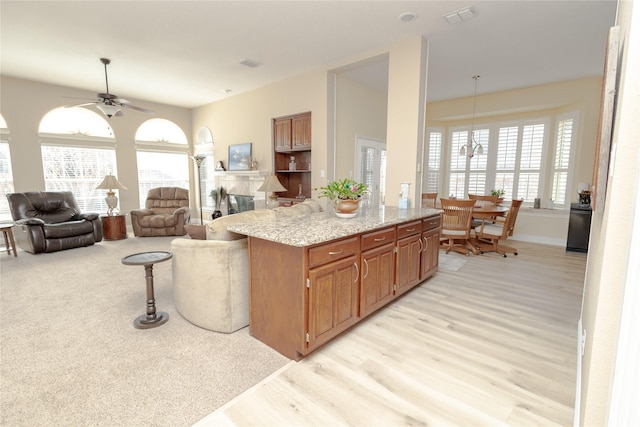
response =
{"points": [[109, 183], [273, 185]]}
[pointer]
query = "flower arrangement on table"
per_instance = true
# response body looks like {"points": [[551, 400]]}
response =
{"points": [[343, 189], [499, 193]]}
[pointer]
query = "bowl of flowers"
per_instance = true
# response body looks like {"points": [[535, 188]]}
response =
{"points": [[345, 195]]}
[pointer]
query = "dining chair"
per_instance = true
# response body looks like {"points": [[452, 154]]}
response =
{"points": [[455, 227], [482, 200], [493, 233], [429, 200]]}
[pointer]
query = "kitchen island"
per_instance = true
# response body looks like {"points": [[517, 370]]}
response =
{"points": [[313, 277]]}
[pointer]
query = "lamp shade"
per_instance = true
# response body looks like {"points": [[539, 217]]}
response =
{"points": [[109, 110], [110, 182], [271, 184]]}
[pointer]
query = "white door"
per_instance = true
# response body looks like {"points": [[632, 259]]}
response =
{"points": [[371, 162]]}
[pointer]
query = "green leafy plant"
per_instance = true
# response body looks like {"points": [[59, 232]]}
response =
{"points": [[498, 193], [218, 194], [343, 189]]}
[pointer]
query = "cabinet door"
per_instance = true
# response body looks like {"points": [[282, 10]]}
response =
{"points": [[301, 132], [333, 299], [377, 277], [408, 263], [282, 134], [430, 252]]}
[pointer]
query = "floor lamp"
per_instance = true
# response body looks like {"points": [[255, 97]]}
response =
{"points": [[199, 160]]}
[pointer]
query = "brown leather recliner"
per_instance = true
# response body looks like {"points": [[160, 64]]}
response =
{"points": [[165, 214], [49, 221]]}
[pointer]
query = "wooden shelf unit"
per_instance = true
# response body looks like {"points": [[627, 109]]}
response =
{"points": [[292, 137]]}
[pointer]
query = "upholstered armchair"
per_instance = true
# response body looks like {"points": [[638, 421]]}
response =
{"points": [[49, 221], [165, 214]]}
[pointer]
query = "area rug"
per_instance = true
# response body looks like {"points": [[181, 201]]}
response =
{"points": [[70, 355], [452, 261]]}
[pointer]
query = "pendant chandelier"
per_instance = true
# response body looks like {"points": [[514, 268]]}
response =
{"points": [[470, 148]]}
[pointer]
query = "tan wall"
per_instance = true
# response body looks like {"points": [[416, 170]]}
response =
{"points": [[360, 111], [583, 95], [24, 103], [610, 233]]}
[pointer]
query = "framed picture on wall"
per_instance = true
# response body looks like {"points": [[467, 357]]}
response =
{"points": [[240, 157]]}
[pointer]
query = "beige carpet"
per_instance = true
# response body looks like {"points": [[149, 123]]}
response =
{"points": [[70, 355]]}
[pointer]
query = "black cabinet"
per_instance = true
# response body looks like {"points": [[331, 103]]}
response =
{"points": [[579, 227]]}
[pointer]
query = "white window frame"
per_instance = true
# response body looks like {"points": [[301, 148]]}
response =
{"points": [[573, 115], [427, 171], [73, 136], [6, 178], [162, 145], [547, 169]]}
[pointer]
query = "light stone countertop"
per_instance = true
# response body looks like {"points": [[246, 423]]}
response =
{"points": [[325, 226]]}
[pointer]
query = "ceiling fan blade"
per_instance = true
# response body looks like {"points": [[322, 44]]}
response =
{"points": [[85, 99], [82, 105], [133, 107]]}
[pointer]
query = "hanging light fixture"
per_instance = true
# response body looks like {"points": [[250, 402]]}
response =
{"points": [[469, 149]]}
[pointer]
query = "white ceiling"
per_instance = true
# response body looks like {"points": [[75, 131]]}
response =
{"points": [[186, 53]]}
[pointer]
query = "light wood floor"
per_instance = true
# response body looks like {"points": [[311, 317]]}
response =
{"points": [[493, 343]]}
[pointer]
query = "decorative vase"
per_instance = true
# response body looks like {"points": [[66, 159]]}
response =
{"points": [[346, 208]]}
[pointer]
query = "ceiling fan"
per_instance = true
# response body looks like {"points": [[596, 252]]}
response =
{"points": [[110, 104]]}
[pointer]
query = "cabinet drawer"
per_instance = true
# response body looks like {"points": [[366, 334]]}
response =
{"points": [[332, 251], [409, 229], [430, 223], [378, 238]]}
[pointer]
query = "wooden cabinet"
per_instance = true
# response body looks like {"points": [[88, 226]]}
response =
{"points": [[292, 138], [301, 132], [333, 300], [282, 134], [409, 247], [377, 269], [302, 297], [430, 247]]}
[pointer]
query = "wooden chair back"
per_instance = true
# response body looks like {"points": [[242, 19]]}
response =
{"points": [[457, 216], [484, 200], [510, 221], [429, 200]]}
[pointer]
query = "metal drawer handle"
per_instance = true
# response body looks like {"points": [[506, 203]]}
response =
{"points": [[379, 239], [421, 248], [357, 272], [366, 264], [336, 253], [411, 229]]}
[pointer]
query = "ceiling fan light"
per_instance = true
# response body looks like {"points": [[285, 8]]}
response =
{"points": [[462, 151], [480, 150], [109, 110]]}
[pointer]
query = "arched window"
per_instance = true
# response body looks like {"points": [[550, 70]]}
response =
{"points": [[161, 130], [78, 150], [162, 156], [6, 174]]}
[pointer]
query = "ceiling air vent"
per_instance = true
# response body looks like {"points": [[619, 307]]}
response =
{"points": [[250, 63]]}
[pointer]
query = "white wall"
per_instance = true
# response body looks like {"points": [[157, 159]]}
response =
{"points": [[24, 103], [611, 227]]}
